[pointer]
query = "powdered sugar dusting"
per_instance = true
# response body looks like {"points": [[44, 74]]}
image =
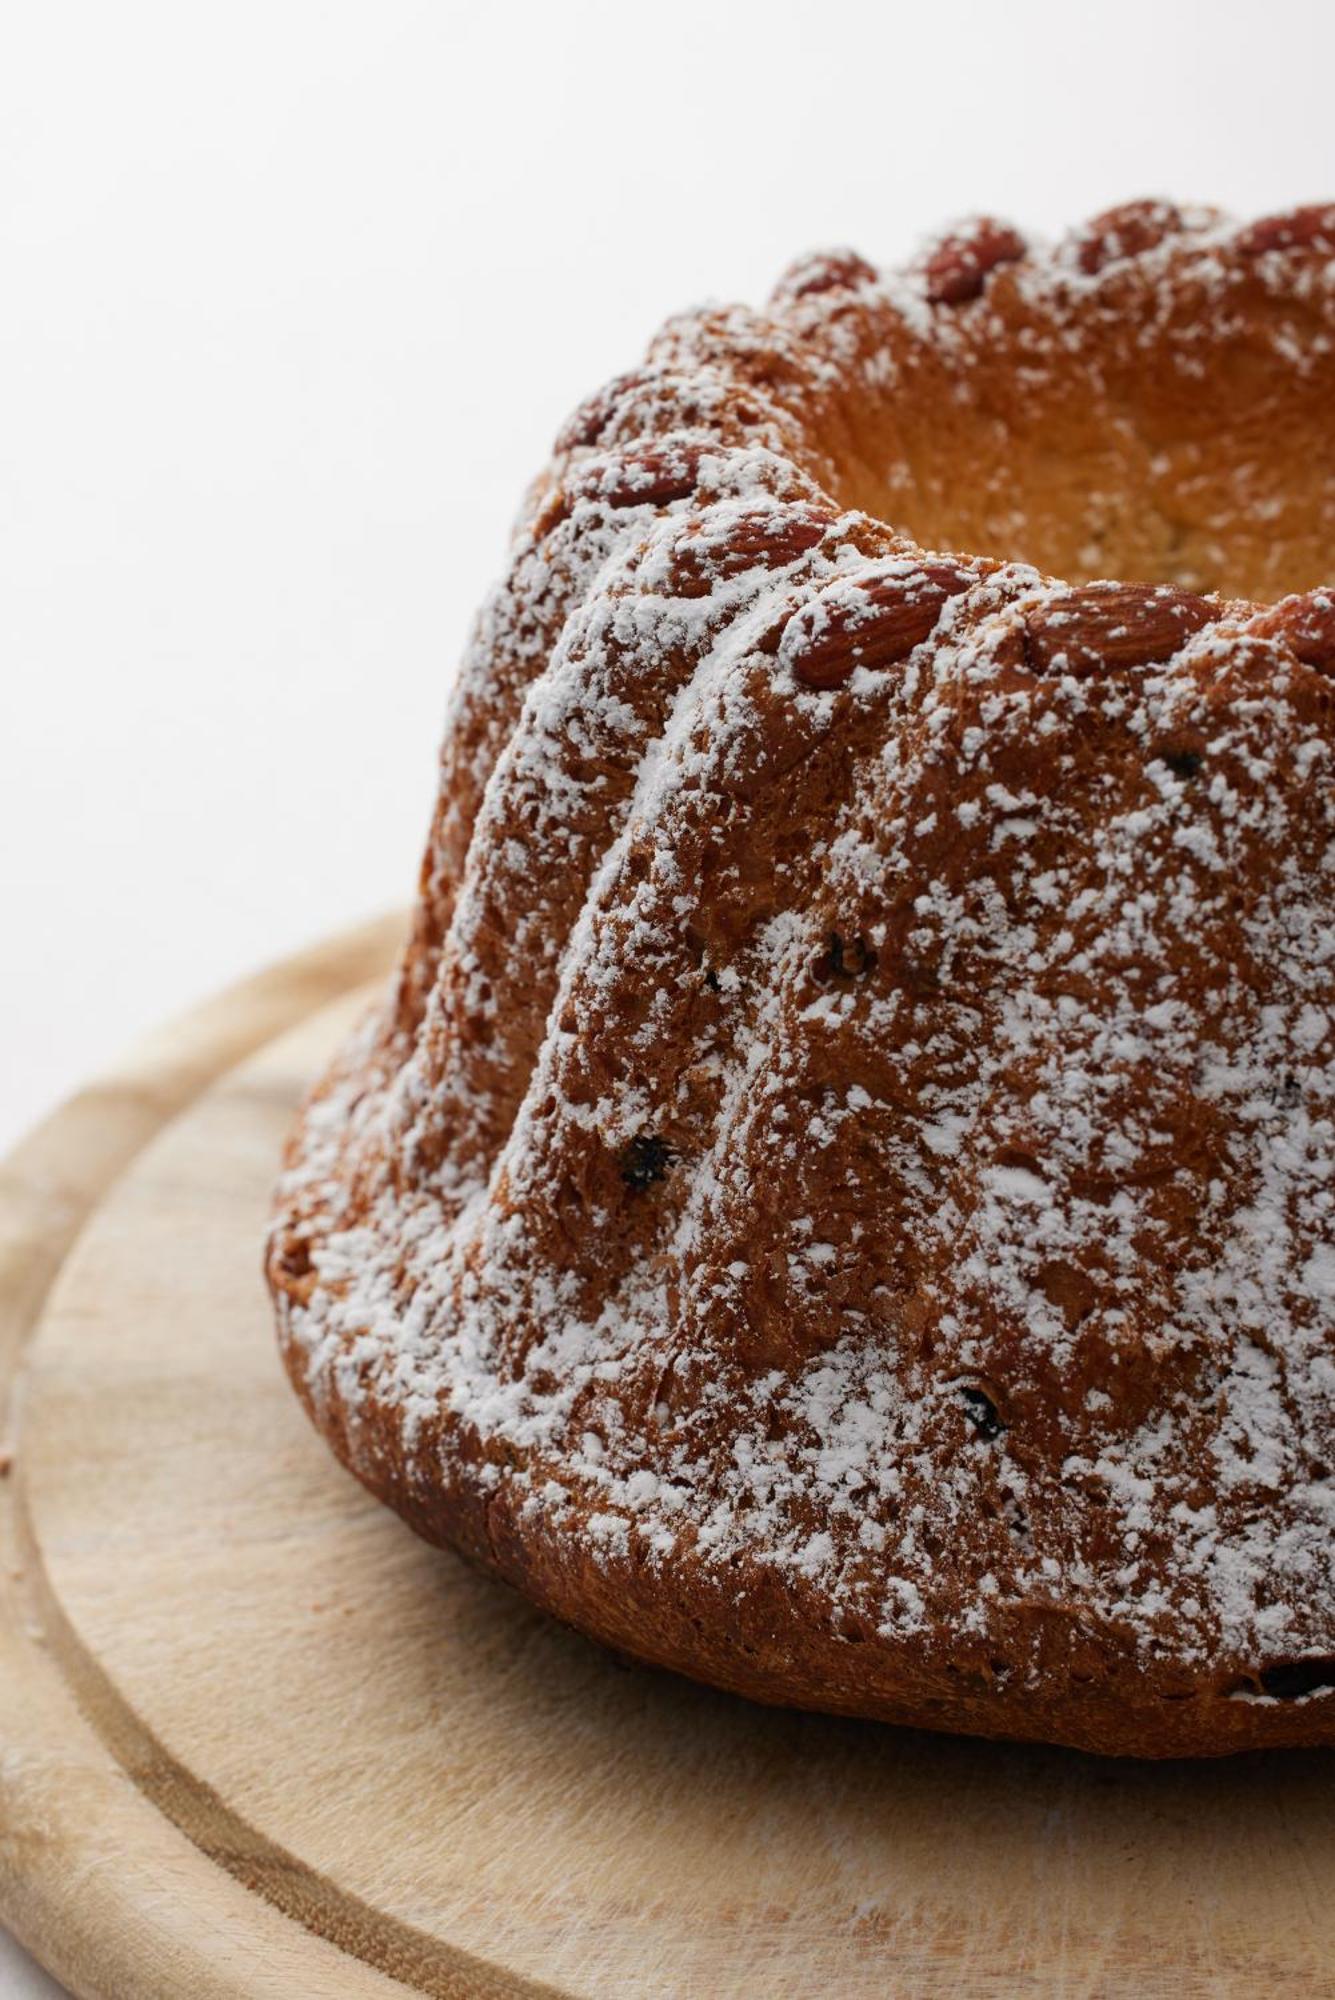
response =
{"points": [[878, 1132]]}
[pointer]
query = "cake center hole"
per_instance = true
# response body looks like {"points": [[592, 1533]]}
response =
{"points": [[1200, 453]]}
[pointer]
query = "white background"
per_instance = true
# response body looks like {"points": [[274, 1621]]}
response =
{"points": [[292, 299]]}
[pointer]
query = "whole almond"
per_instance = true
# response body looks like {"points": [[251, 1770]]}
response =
{"points": [[1110, 625], [1306, 624], [958, 268], [873, 624], [757, 541], [591, 419], [825, 271], [1127, 231], [653, 477], [1300, 229]]}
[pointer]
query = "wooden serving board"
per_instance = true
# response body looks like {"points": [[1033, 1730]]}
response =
{"points": [[257, 1740]]}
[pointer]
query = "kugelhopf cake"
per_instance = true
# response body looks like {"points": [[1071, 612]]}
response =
{"points": [[839, 1199]]}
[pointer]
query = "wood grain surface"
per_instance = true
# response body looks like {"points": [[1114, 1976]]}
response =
{"points": [[256, 1740]]}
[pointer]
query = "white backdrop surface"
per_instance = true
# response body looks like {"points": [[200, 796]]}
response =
{"points": [[293, 298]]}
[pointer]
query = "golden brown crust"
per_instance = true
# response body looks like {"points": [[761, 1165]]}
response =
{"points": [[840, 1200]]}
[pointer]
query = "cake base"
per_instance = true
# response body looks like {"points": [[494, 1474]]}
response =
{"points": [[255, 1739]]}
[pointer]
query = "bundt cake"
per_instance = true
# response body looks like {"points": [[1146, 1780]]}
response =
{"points": [[839, 1199]]}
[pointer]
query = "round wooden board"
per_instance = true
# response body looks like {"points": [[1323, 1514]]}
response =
{"points": [[257, 1740]]}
